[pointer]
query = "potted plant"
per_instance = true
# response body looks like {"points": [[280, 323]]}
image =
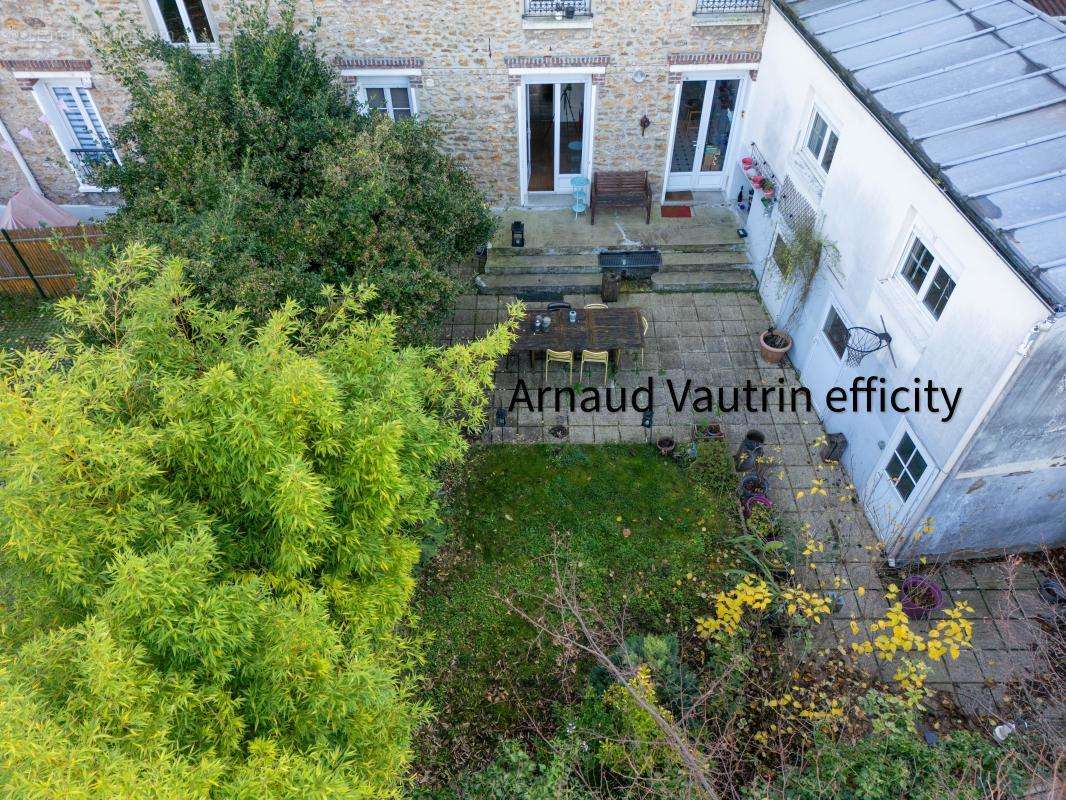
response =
{"points": [[756, 505], [666, 445], [705, 431], [747, 455], [767, 187], [752, 484], [773, 344], [920, 597]]}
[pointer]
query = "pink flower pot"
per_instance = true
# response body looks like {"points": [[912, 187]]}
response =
{"points": [[756, 500]]}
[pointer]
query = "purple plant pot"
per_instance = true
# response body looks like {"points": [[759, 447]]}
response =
{"points": [[912, 609], [756, 500], [751, 484]]}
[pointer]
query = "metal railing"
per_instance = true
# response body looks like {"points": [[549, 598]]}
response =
{"points": [[86, 160], [728, 7], [561, 9]]}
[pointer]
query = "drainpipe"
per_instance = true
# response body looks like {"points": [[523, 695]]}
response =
{"points": [[990, 403], [32, 181]]}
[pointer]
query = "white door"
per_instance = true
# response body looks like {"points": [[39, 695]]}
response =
{"points": [[557, 133], [825, 361], [703, 141], [900, 479]]}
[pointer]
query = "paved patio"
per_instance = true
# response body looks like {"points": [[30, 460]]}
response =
{"points": [[712, 339]]}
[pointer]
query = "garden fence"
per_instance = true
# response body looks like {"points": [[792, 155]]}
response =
{"points": [[33, 262]]}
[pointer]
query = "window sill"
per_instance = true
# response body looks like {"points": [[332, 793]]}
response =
{"points": [[198, 49], [813, 182], [551, 23], [913, 325], [721, 20]]}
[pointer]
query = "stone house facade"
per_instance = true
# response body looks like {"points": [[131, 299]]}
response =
{"points": [[499, 74]]}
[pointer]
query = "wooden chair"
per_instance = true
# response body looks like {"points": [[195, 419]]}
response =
{"points": [[594, 357], [620, 190], [560, 357], [593, 306]]}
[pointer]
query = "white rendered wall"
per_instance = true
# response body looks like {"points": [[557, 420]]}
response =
{"points": [[872, 199]]}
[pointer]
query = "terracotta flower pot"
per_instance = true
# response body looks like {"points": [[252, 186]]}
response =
{"points": [[773, 352], [920, 597], [747, 162]]}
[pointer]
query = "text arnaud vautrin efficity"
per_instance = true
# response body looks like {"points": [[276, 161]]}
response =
{"points": [[866, 394]]}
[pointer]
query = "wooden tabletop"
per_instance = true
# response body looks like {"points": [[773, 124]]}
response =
{"points": [[595, 329]]}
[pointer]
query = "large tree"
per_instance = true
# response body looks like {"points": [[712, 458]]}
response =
{"points": [[254, 164], [206, 543]]}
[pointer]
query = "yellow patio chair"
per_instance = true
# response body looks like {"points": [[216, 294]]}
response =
{"points": [[594, 357], [561, 357], [594, 306], [644, 325]]}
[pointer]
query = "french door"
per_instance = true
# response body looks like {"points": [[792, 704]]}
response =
{"points": [[703, 145], [557, 133]]}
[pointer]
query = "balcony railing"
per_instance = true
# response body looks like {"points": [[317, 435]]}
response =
{"points": [[87, 160], [560, 9], [728, 7]]}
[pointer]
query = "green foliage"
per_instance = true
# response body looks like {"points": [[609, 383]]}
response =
{"points": [[675, 685], [640, 534], [632, 742], [799, 255], [254, 165], [514, 775], [207, 543], [895, 764], [712, 468]]}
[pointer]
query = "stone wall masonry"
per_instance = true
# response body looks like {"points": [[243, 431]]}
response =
{"points": [[464, 49]]}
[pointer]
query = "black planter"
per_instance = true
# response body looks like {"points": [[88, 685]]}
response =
{"points": [[747, 455], [752, 484]]}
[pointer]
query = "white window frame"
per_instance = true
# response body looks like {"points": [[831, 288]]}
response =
{"points": [[57, 119], [833, 309], [156, 13], [832, 129], [384, 79], [938, 264], [930, 467]]}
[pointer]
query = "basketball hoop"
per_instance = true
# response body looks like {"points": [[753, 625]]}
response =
{"points": [[862, 341]]}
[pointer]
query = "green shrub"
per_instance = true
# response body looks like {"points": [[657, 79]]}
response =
{"points": [[254, 165], [205, 547], [897, 764], [514, 775]]}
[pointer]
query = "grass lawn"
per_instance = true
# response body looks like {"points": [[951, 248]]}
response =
{"points": [[645, 538], [26, 322]]}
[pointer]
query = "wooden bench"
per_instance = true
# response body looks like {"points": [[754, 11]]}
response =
{"points": [[620, 190]]}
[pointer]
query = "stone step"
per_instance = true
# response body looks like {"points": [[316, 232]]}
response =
{"points": [[527, 282], [715, 280], [712, 279], [589, 262], [727, 242]]}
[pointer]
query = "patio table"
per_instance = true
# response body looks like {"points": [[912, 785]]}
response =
{"points": [[612, 329]]}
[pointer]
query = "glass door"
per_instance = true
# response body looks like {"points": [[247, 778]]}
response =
{"points": [[540, 136], [556, 134], [703, 133]]}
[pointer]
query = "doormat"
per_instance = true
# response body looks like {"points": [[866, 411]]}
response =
{"points": [[676, 212]]}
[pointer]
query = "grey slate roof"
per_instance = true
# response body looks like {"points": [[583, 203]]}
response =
{"points": [[976, 90]]}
